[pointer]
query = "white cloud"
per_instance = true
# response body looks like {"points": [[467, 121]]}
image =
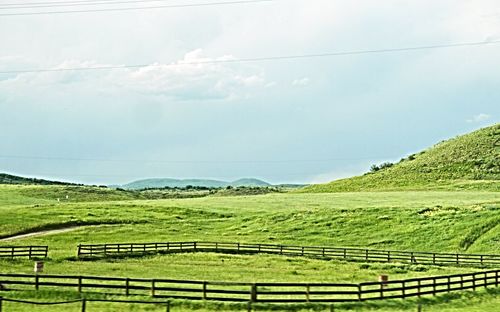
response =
{"points": [[301, 82], [479, 118], [195, 76]]}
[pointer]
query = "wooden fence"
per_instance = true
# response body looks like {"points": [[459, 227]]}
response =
{"points": [[360, 254], [83, 302], [256, 292], [24, 251]]}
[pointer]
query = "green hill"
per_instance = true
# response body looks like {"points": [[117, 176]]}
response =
{"points": [[470, 161], [249, 182], [12, 179], [166, 182]]}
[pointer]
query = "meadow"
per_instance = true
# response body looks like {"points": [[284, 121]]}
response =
{"points": [[441, 221]]}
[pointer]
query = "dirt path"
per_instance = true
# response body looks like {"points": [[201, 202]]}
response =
{"points": [[40, 233]]}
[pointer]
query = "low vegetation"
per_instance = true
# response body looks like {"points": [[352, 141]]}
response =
{"points": [[468, 162]]}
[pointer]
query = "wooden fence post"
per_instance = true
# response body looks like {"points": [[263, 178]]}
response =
{"points": [[249, 306], [204, 290], [168, 306], [366, 254], [419, 307], [496, 278], [152, 288], [127, 285], [79, 284], [36, 282], [403, 289], [84, 304], [30, 252], [307, 292], [1, 300], [359, 292], [79, 250], [253, 293]]}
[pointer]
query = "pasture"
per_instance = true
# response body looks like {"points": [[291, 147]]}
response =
{"points": [[464, 222]]}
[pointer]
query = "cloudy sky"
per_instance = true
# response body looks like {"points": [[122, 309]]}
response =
{"points": [[296, 120]]}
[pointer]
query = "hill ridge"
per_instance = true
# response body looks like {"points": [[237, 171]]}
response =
{"points": [[469, 161], [170, 182]]}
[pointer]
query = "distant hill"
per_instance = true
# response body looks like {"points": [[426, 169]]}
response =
{"points": [[166, 182], [12, 179], [470, 161]]}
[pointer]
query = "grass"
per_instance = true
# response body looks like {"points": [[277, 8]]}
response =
{"points": [[468, 162], [428, 221]]}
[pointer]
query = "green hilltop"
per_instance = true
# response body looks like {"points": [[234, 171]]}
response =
{"points": [[167, 182], [470, 161], [12, 179]]}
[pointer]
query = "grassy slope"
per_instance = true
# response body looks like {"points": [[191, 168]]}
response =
{"points": [[12, 179], [397, 220], [470, 161], [447, 221]]}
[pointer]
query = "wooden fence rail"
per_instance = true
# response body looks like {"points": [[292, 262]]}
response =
{"points": [[256, 292], [24, 251], [83, 302], [360, 254]]}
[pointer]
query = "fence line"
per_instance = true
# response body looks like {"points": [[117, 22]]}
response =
{"points": [[257, 292], [84, 302], [24, 251], [348, 253]]}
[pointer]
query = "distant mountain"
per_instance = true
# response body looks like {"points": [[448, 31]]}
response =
{"points": [[249, 182], [12, 179], [166, 182], [470, 161]]}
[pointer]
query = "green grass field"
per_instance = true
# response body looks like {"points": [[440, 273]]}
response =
{"points": [[426, 221]]}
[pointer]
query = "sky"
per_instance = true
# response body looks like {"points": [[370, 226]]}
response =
{"points": [[306, 120]]}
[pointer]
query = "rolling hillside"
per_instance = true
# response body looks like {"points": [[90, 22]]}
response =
{"points": [[470, 161], [12, 179], [160, 183]]}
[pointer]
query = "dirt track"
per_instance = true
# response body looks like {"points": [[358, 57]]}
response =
{"points": [[40, 233]]}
